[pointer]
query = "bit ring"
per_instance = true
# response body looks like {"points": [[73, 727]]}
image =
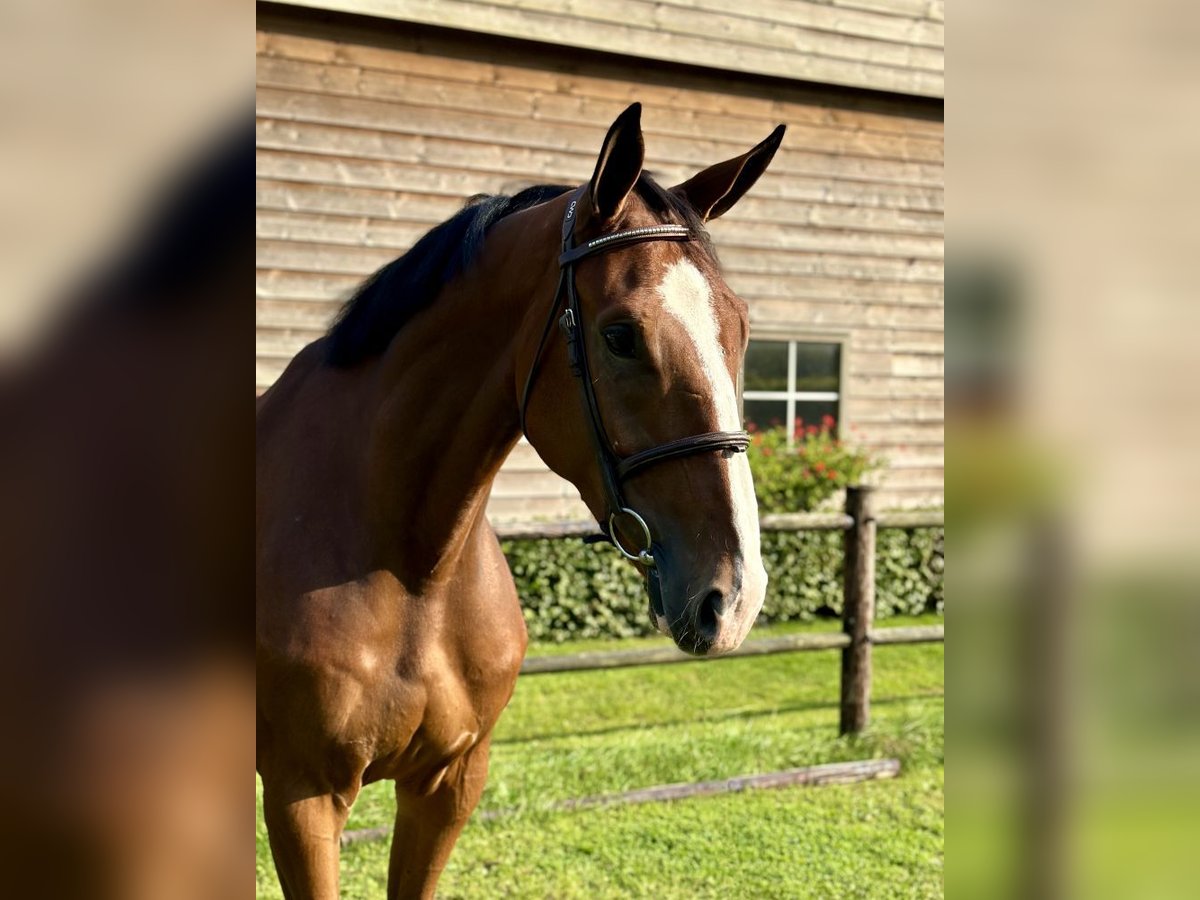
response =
{"points": [[644, 555]]}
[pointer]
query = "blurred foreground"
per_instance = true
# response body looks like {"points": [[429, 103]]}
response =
{"points": [[1074, 435], [126, 687]]}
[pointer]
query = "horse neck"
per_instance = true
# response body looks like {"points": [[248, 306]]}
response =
{"points": [[448, 413]]}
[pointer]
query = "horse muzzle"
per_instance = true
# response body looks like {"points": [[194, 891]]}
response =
{"points": [[705, 616]]}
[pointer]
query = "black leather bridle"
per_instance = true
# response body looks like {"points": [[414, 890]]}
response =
{"points": [[614, 470]]}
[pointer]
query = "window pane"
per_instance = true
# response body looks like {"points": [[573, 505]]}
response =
{"points": [[813, 412], [817, 366], [766, 366], [765, 413]]}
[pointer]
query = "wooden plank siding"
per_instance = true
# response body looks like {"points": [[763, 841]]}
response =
{"points": [[368, 136], [874, 44]]}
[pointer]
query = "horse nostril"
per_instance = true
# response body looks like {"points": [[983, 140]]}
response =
{"points": [[711, 608]]}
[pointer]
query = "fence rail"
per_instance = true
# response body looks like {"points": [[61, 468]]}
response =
{"points": [[527, 531], [860, 523], [620, 659]]}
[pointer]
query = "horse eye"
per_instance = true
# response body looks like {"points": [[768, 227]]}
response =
{"points": [[620, 340]]}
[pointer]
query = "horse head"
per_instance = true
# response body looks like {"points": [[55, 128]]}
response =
{"points": [[649, 427]]}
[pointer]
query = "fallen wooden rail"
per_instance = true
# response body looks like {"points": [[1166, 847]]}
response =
{"points": [[811, 776]]}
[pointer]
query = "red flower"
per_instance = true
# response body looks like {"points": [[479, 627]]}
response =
{"points": [[831, 474], [828, 421], [811, 429], [820, 466], [767, 451], [751, 427]]}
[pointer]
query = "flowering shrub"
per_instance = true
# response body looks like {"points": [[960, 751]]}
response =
{"points": [[801, 477]]}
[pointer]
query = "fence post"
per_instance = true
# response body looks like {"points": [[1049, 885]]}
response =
{"points": [[858, 610]]}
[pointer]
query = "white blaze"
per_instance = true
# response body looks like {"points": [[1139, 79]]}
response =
{"points": [[688, 298]]}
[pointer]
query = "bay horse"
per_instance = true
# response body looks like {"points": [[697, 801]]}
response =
{"points": [[389, 634]]}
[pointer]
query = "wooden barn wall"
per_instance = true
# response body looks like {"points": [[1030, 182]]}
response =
{"points": [[368, 137], [883, 45]]}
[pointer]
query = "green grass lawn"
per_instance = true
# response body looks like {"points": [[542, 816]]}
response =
{"points": [[577, 734]]}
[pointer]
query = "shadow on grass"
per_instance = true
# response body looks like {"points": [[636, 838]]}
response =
{"points": [[719, 717]]}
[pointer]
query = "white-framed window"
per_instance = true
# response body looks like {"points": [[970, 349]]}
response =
{"points": [[788, 379]]}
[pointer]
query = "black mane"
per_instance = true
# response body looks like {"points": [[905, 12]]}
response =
{"points": [[388, 299]]}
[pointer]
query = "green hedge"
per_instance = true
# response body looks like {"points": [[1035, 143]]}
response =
{"points": [[572, 590]]}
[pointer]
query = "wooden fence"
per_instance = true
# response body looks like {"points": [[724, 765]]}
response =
{"points": [[859, 523]]}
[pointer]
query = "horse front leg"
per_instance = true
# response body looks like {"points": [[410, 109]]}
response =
{"points": [[428, 825], [304, 825]]}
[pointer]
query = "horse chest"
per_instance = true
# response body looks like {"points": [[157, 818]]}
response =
{"points": [[456, 712], [467, 687]]}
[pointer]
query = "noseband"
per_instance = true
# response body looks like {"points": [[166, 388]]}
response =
{"points": [[614, 470]]}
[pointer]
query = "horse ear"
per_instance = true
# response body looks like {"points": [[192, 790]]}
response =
{"points": [[713, 191], [619, 165]]}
